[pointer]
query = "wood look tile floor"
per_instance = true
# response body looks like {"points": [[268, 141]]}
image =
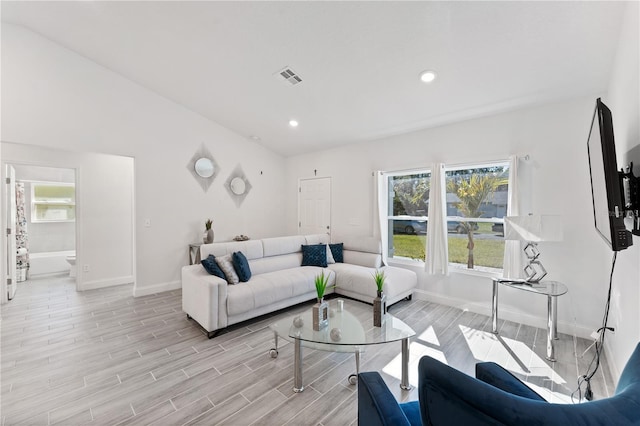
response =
{"points": [[103, 357]]}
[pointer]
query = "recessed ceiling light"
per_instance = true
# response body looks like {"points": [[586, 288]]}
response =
{"points": [[293, 123], [428, 76]]}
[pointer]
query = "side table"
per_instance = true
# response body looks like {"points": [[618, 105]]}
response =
{"points": [[551, 289], [194, 253]]}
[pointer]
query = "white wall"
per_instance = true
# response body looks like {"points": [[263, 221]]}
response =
{"points": [[623, 98], [104, 210], [80, 106], [556, 181], [46, 236]]}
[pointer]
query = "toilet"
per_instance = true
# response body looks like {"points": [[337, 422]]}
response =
{"points": [[71, 260]]}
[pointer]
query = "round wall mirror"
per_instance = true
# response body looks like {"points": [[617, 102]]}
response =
{"points": [[238, 185], [204, 167]]}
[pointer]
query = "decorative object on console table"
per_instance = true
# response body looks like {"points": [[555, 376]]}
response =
{"points": [[208, 235], [380, 302], [321, 309], [533, 229]]}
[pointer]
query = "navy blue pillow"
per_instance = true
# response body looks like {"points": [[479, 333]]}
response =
{"points": [[241, 265], [336, 252], [212, 267], [315, 255]]}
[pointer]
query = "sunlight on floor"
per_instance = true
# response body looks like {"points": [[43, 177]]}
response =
{"points": [[513, 355], [416, 351]]}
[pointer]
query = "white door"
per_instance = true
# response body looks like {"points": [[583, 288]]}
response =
{"points": [[314, 206], [11, 232]]}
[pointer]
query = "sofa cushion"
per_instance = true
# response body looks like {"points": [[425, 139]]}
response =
{"points": [[224, 262], [241, 266], [252, 249], [211, 266], [282, 245], [272, 287], [315, 255], [316, 239], [337, 252], [275, 263], [365, 244], [369, 260], [359, 279]]}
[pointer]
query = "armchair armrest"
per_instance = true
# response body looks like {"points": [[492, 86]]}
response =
{"points": [[376, 403], [493, 374], [448, 396]]}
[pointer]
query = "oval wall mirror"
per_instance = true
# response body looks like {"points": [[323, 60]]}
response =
{"points": [[204, 167], [238, 185]]}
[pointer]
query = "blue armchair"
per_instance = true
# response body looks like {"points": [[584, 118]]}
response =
{"points": [[495, 397]]}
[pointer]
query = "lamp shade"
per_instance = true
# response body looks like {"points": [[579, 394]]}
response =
{"points": [[533, 228]]}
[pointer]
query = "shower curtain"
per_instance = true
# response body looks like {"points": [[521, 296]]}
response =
{"points": [[22, 237]]}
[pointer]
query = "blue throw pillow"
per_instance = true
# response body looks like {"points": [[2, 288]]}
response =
{"points": [[212, 267], [336, 251], [241, 265], [315, 255]]}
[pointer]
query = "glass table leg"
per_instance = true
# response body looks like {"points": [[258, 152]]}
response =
{"points": [[404, 383], [297, 367]]}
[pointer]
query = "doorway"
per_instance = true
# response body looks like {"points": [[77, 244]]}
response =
{"points": [[41, 232], [314, 206]]}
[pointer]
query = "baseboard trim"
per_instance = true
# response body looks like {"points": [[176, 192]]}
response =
{"points": [[156, 288], [505, 312], [109, 282]]}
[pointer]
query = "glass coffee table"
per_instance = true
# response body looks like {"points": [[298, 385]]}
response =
{"points": [[345, 333]]}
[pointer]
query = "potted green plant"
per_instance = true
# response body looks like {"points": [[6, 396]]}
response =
{"points": [[321, 309], [380, 302], [208, 232]]}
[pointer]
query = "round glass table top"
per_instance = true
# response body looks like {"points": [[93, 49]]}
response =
{"points": [[344, 329]]}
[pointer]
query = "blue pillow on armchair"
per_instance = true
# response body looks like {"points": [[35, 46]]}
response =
{"points": [[314, 255], [212, 267], [241, 266]]}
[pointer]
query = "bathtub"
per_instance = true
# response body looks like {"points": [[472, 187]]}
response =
{"points": [[53, 262]]}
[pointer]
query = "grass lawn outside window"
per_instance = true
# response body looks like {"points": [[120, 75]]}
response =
{"points": [[488, 252]]}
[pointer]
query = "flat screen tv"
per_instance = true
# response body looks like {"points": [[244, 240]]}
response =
{"points": [[606, 183]]}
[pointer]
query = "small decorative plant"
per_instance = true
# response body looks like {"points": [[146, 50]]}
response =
{"points": [[379, 278], [208, 224], [380, 302], [321, 285]]}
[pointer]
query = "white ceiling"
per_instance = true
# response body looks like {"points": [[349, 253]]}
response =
{"points": [[359, 61]]}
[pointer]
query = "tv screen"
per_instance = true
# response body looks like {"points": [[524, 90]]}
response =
{"points": [[606, 188]]}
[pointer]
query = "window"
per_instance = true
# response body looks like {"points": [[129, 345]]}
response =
{"points": [[408, 198], [476, 205], [53, 202]]}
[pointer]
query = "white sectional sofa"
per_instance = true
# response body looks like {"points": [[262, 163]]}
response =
{"points": [[278, 281]]}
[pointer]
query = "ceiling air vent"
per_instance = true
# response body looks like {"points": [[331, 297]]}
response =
{"points": [[288, 75]]}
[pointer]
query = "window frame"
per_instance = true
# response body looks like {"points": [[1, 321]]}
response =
{"points": [[390, 217], [34, 203], [457, 267]]}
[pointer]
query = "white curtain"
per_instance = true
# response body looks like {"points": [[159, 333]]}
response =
{"points": [[437, 247], [512, 249], [383, 210]]}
